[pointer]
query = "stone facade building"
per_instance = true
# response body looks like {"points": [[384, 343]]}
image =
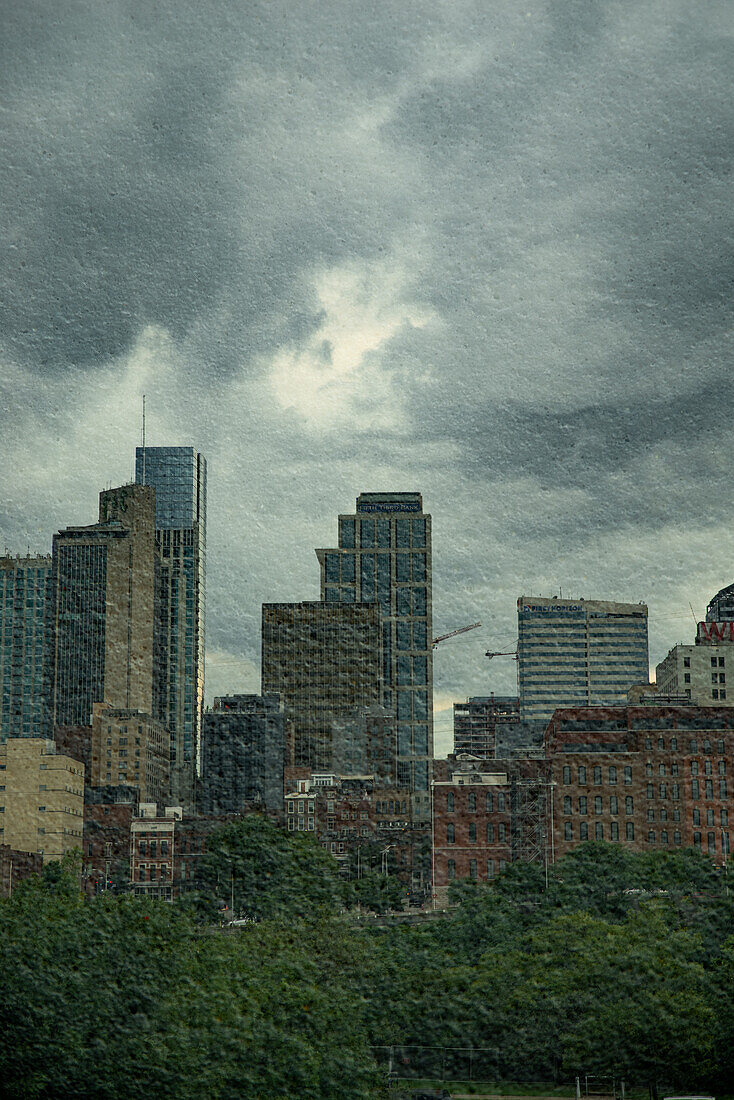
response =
{"points": [[41, 798]]}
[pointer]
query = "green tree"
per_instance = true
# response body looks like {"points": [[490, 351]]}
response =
{"points": [[268, 872]]}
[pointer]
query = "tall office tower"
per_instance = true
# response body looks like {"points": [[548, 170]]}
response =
{"points": [[23, 589], [324, 660], [101, 610], [578, 653], [475, 722], [384, 556], [178, 475], [721, 607], [243, 755]]}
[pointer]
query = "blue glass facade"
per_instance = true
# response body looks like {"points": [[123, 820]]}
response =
{"points": [[384, 557], [178, 475], [23, 594]]}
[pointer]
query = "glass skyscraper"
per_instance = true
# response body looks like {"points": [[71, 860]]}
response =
{"points": [[23, 588], [178, 475], [384, 557]]}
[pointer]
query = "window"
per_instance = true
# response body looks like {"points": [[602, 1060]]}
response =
{"points": [[674, 744], [472, 802], [613, 805], [696, 817], [709, 817], [722, 788], [725, 817], [450, 834], [614, 830], [582, 805], [720, 747], [567, 804], [651, 836], [568, 831], [500, 802], [648, 742], [566, 773], [675, 791], [696, 840], [686, 662], [450, 801], [597, 804], [711, 842], [707, 767], [490, 868], [490, 833], [501, 832], [661, 743], [709, 785], [713, 662], [451, 869], [583, 831], [695, 792], [650, 814], [472, 868], [722, 767], [582, 773], [612, 774], [693, 745], [673, 769], [650, 790], [629, 805], [661, 769], [707, 746], [648, 770], [676, 837], [598, 831], [597, 774], [663, 791], [489, 803], [628, 774], [629, 831], [472, 832]]}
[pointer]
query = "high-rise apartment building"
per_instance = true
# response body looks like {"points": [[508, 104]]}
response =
{"points": [[42, 797], [23, 592], [323, 659], [178, 475], [384, 558], [101, 610], [243, 755], [578, 653]]}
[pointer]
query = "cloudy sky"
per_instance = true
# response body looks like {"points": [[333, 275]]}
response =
{"points": [[479, 250]]}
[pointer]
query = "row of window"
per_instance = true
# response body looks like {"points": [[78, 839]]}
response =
{"points": [[493, 868], [471, 802], [490, 832]]}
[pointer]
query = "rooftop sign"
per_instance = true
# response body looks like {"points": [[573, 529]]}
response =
{"points": [[711, 633]]}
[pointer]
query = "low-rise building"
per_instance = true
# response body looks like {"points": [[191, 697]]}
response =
{"points": [[647, 777], [108, 816], [166, 850], [16, 866], [41, 797]]}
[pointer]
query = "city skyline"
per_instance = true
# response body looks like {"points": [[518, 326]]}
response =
{"points": [[483, 256]]}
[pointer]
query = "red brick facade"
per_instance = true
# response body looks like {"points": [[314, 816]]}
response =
{"points": [[647, 777]]}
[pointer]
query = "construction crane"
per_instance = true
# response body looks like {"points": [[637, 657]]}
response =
{"points": [[452, 633], [501, 653]]}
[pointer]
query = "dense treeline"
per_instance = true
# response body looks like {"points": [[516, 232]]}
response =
{"points": [[618, 964]]}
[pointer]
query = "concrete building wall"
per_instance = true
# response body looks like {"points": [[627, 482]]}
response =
{"points": [[43, 798], [578, 653], [700, 671]]}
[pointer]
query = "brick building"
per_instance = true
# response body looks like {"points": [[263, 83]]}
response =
{"points": [[166, 849], [649, 777], [362, 823], [108, 816]]}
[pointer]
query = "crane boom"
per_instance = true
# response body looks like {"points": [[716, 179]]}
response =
{"points": [[452, 633]]}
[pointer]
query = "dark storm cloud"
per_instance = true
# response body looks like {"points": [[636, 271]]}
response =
{"points": [[482, 250]]}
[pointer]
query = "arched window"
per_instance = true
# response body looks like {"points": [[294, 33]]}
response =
{"points": [[500, 802], [451, 868], [597, 774], [490, 833], [612, 774], [489, 802], [614, 830], [472, 832], [629, 807], [629, 831], [597, 804], [568, 831], [583, 831], [567, 804], [598, 831], [472, 802], [566, 773], [450, 802], [450, 834]]}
